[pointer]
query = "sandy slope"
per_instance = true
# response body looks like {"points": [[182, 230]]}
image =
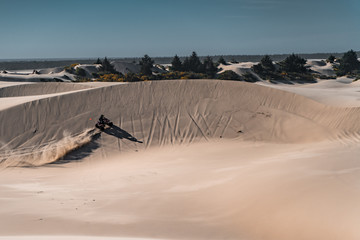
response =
{"points": [[42, 76], [38, 89], [12, 94], [203, 191], [320, 66], [200, 159], [156, 114], [340, 92]]}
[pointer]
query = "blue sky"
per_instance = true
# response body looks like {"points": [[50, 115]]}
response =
{"points": [[132, 28]]}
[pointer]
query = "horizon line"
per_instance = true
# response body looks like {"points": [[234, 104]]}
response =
{"points": [[216, 55]]}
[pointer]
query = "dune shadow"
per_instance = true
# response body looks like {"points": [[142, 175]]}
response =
{"points": [[292, 81], [84, 151], [120, 133]]}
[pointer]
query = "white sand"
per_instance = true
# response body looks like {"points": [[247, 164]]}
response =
{"points": [[70, 237], [218, 160], [321, 67], [341, 92]]}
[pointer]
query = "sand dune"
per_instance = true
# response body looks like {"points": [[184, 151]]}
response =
{"points": [[340, 92], [125, 67], [89, 69], [321, 67], [240, 69], [156, 115], [192, 159], [318, 66], [37, 77], [38, 89]]}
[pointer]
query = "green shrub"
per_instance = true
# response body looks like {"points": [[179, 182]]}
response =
{"points": [[248, 77], [176, 64], [265, 68], [222, 61], [146, 65], [229, 75], [293, 64], [348, 64], [82, 79], [107, 67], [80, 72], [331, 59], [71, 68], [110, 77], [132, 77]]}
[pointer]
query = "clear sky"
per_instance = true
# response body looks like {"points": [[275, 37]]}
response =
{"points": [[132, 28]]}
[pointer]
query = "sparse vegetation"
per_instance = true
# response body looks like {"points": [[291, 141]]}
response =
{"points": [[222, 61], [192, 65], [146, 64], [265, 69], [293, 64], [107, 67], [292, 69], [248, 77], [132, 77], [209, 68], [176, 64], [110, 77], [331, 59], [98, 61], [229, 75], [349, 64], [80, 72], [71, 68]]}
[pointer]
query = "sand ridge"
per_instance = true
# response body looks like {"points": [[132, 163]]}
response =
{"points": [[38, 89]]}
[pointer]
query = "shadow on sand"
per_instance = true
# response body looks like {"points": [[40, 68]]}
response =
{"points": [[120, 133]]}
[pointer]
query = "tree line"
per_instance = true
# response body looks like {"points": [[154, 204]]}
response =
{"points": [[291, 68]]}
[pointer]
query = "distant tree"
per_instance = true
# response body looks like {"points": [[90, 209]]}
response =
{"points": [[331, 59], [293, 64], [267, 63], [248, 77], [222, 61], [229, 75], [98, 61], [107, 67], [265, 68], [258, 68], [195, 64], [80, 72], [95, 75], [146, 65], [186, 65], [348, 63], [176, 64], [209, 67]]}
